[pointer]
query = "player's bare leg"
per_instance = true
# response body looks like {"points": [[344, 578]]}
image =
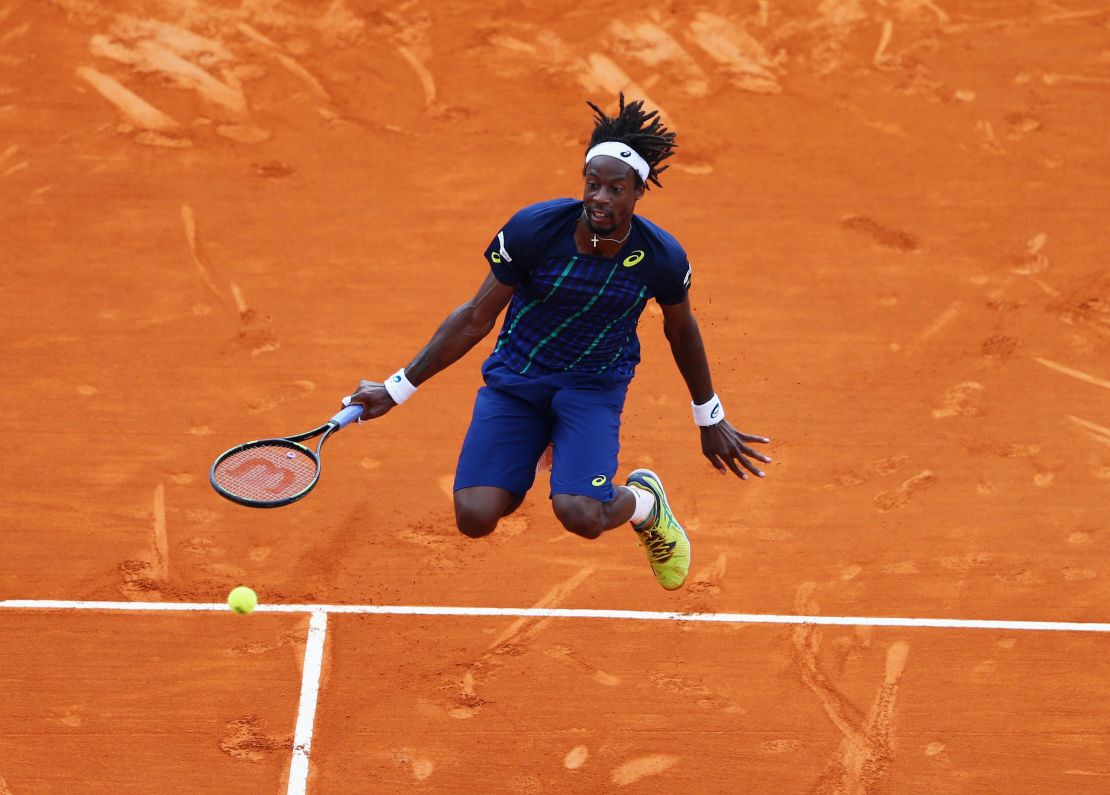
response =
{"points": [[586, 517], [479, 508]]}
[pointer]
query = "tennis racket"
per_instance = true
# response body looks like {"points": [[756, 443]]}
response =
{"points": [[269, 473]]}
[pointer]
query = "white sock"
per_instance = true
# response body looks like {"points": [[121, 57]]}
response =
{"points": [[645, 501]]}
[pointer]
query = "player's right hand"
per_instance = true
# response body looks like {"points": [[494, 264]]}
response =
{"points": [[373, 397]]}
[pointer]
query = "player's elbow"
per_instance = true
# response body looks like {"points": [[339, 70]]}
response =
{"points": [[681, 328], [464, 324], [479, 328], [676, 333], [471, 323]]}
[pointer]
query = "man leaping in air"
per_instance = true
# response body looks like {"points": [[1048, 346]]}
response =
{"points": [[576, 276]]}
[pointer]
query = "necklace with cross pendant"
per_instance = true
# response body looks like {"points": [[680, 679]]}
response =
{"points": [[595, 238]]}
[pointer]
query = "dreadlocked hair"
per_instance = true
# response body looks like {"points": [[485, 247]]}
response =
{"points": [[644, 132]]}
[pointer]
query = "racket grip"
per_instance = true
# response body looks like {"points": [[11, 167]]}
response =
{"points": [[347, 415]]}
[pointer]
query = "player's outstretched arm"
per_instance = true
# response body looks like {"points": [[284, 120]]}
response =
{"points": [[724, 446], [457, 334]]}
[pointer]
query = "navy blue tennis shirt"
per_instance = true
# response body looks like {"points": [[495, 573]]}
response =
{"points": [[575, 312]]}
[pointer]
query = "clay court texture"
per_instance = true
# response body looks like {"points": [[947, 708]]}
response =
{"points": [[216, 217]]}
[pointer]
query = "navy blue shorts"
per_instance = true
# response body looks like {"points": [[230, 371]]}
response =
{"points": [[517, 416]]}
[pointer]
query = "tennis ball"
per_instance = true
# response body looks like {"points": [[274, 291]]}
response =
{"points": [[242, 600]]}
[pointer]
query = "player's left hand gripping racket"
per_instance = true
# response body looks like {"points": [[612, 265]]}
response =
{"points": [[269, 473]]}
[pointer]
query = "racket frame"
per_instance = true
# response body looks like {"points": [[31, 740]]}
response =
{"points": [[340, 420]]}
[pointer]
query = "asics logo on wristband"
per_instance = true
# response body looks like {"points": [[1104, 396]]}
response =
{"points": [[710, 412], [399, 387]]}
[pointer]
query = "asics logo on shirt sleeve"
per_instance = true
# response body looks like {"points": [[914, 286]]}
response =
{"points": [[688, 277]]}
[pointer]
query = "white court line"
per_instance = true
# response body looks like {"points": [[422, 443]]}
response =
{"points": [[318, 623], [543, 612], [306, 710]]}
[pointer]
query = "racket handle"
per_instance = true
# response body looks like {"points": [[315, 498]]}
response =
{"points": [[347, 415]]}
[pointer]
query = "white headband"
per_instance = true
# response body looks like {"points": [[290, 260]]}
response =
{"points": [[622, 152]]}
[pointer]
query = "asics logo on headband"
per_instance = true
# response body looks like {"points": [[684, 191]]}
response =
{"points": [[622, 152]]}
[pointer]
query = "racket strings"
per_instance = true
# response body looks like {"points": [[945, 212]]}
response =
{"points": [[266, 473]]}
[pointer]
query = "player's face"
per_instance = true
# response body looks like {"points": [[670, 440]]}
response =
{"points": [[610, 194]]}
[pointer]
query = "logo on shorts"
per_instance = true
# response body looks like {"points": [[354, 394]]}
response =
{"points": [[495, 257], [633, 259], [599, 480]]}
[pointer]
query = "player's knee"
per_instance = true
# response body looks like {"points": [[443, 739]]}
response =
{"points": [[585, 529], [581, 520], [474, 523]]}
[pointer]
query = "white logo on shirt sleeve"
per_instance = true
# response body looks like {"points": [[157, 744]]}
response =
{"points": [[501, 241]]}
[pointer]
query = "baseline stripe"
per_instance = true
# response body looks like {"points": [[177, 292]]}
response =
{"points": [[539, 612]]}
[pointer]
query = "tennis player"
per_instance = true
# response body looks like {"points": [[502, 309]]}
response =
{"points": [[576, 276]]}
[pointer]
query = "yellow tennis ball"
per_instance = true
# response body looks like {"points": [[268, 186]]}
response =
{"points": [[242, 600]]}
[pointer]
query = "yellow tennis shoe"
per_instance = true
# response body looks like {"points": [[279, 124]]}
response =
{"points": [[661, 536]]}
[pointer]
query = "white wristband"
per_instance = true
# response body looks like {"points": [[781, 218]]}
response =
{"points": [[708, 413], [399, 387]]}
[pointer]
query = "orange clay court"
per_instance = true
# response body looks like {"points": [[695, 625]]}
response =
{"points": [[217, 217]]}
